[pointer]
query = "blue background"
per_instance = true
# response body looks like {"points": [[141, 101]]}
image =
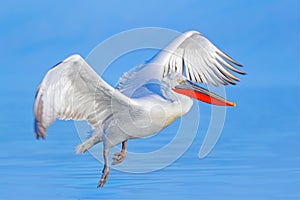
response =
{"points": [[257, 156]]}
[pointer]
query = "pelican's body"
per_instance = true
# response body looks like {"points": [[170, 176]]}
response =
{"points": [[144, 116], [146, 100]]}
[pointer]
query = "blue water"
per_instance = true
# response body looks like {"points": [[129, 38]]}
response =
{"points": [[258, 153], [257, 156]]}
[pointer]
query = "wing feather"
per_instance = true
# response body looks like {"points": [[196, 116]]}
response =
{"points": [[191, 53], [73, 90]]}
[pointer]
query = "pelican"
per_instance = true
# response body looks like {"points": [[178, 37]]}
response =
{"points": [[134, 109]]}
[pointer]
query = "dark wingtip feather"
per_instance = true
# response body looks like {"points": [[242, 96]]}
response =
{"points": [[236, 63], [39, 130], [242, 72], [224, 55]]}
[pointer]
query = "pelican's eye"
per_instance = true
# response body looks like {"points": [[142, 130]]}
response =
{"points": [[179, 80]]}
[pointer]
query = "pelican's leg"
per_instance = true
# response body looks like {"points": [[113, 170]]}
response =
{"points": [[105, 170], [120, 155], [85, 146]]}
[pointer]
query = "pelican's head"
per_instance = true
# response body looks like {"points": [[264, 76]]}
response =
{"points": [[181, 85]]}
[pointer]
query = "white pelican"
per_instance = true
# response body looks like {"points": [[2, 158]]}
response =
{"points": [[73, 90]]}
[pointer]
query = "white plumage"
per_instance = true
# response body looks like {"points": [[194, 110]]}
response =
{"points": [[73, 90]]}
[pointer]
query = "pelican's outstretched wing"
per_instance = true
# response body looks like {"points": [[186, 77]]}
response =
{"points": [[190, 53], [73, 90]]}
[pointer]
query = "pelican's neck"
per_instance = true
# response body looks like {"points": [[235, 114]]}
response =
{"points": [[179, 103]]}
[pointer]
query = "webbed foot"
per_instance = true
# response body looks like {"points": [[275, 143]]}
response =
{"points": [[119, 157], [104, 177]]}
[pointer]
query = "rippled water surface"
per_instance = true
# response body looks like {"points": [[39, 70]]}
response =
{"points": [[257, 156]]}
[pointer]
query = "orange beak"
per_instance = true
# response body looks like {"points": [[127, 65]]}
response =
{"points": [[192, 90]]}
